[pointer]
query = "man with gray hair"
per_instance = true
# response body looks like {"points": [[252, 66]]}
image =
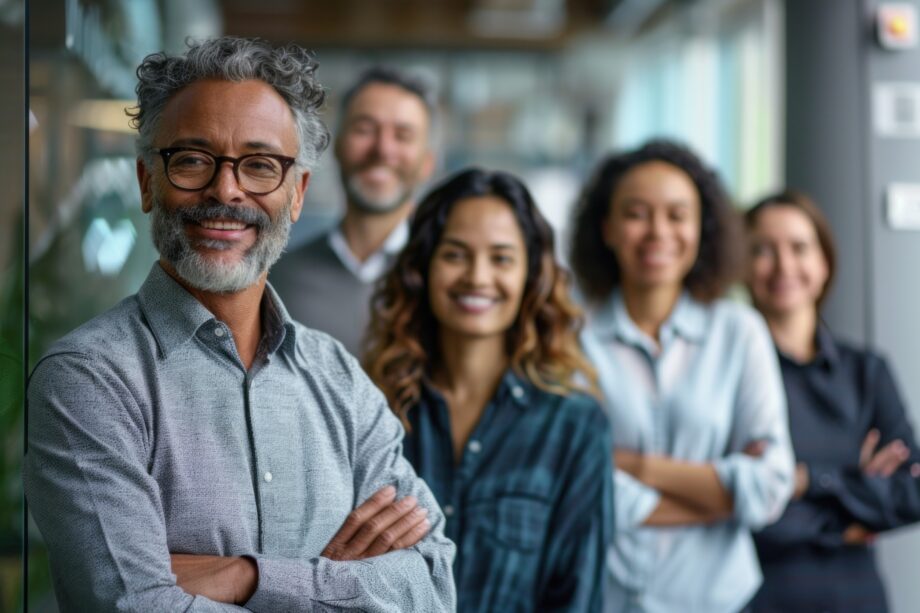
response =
{"points": [[194, 448], [384, 149]]}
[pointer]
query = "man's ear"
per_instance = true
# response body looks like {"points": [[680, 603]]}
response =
{"points": [[300, 190], [143, 180]]}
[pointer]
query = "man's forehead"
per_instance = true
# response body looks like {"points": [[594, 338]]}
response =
{"points": [[249, 113], [390, 101]]}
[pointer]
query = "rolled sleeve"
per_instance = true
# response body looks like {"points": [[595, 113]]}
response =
{"points": [[760, 486], [635, 501], [361, 585]]}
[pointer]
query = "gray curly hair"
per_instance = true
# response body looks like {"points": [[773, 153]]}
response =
{"points": [[290, 70]]}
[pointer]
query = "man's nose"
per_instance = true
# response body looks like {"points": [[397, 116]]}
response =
{"points": [[386, 146], [224, 187]]}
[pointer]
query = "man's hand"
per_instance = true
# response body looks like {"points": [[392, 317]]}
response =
{"points": [[379, 525], [885, 461], [224, 579]]}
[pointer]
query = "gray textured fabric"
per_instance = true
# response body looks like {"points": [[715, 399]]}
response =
{"points": [[321, 293], [148, 437]]}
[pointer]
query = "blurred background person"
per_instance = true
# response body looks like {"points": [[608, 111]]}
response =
{"points": [[383, 145], [474, 341], [857, 470], [690, 385]]}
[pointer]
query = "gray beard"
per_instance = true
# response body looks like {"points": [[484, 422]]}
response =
{"points": [[203, 273], [379, 206]]}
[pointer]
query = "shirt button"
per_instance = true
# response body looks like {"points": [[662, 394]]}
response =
{"points": [[825, 481], [268, 477], [475, 446], [449, 511], [218, 332], [517, 391]]}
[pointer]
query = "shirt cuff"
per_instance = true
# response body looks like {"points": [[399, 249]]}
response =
{"points": [[634, 501], [823, 481], [295, 585]]}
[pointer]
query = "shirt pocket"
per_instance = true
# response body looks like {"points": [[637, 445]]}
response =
{"points": [[515, 520]]}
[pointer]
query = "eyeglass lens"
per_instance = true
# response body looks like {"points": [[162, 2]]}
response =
{"points": [[195, 169]]}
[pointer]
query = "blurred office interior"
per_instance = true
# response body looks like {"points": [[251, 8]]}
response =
{"points": [[769, 91]]}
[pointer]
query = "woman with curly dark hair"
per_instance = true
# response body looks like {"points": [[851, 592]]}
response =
{"points": [[690, 382], [474, 340]]}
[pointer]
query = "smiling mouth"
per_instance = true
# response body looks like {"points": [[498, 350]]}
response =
{"points": [[783, 286], [219, 224], [655, 258], [474, 303]]}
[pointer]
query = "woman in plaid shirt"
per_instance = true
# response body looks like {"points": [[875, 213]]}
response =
{"points": [[474, 341]]}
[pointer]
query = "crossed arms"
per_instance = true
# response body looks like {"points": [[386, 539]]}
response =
{"points": [[381, 525], [101, 512]]}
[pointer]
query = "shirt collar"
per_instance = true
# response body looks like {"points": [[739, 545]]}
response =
{"points": [[175, 316], [688, 320], [397, 239], [276, 322], [827, 354], [826, 347], [374, 266], [512, 387]]}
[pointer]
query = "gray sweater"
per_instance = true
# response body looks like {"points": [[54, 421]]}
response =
{"points": [[321, 293]]}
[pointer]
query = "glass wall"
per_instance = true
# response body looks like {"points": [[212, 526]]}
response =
{"points": [[713, 78], [89, 243], [12, 169]]}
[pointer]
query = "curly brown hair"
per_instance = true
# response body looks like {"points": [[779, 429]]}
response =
{"points": [[716, 266], [401, 347]]}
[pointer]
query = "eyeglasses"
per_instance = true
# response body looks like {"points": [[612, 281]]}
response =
{"points": [[257, 174]]}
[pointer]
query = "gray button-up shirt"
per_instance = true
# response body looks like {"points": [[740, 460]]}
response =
{"points": [[147, 436]]}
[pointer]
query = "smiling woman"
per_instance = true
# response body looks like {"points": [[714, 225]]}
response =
{"points": [[690, 383], [474, 341], [858, 460], [477, 273]]}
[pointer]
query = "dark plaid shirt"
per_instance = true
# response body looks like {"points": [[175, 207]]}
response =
{"points": [[834, 400], [529, 504]]}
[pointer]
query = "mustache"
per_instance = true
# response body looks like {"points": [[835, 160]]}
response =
{"points": [[216, 210]]}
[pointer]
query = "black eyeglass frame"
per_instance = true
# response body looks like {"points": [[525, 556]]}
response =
{"points": [[285, 161]]}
